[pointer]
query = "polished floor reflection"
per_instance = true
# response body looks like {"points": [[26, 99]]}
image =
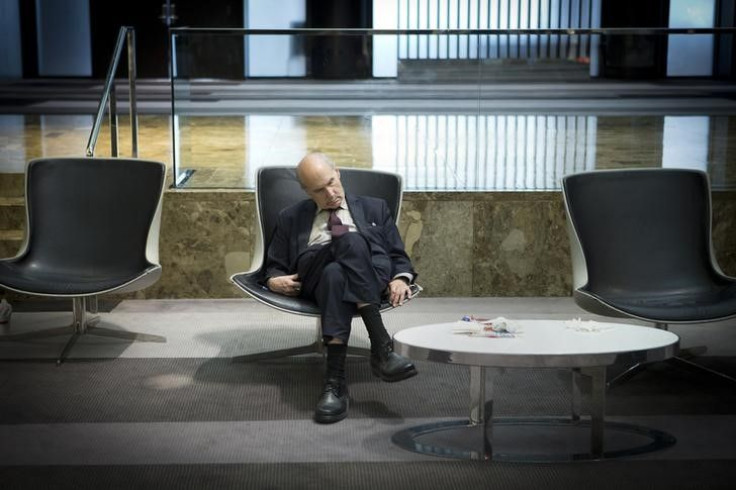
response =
{"points": [[457, 152]]}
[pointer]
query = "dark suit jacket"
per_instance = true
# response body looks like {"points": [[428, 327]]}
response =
{"points": [[372, 219]]}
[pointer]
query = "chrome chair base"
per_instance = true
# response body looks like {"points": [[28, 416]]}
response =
{"points": [[680, 361], [693, 366], [81, 325]]}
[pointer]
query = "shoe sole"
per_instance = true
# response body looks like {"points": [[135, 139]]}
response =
{"points": [[331, 419], [397, 377]]}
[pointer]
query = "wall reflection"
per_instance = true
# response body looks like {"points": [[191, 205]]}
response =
{"points": [[25, 137], [434, 152], [458, 152], [469, 152]]}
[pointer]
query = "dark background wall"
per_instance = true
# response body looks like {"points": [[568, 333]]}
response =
{"points": [[223, 55], [342, 57], [725, 55], [630, 56]]}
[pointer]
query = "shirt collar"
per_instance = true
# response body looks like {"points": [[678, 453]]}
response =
{"points": [[343, 205]]}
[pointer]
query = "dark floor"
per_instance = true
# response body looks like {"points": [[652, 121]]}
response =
{"points": [[183, 415]]}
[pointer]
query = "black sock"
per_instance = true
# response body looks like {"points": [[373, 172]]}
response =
{"points": [[371, 316], [336, 354]]}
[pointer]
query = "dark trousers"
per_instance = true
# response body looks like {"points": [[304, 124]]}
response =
{"points": [[337, 276]]}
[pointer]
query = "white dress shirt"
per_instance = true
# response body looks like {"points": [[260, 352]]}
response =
{"points": [[320, 234]]}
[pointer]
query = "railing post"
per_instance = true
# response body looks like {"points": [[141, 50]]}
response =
{"points": [[109, 98], [132, 75], [113, 115]]}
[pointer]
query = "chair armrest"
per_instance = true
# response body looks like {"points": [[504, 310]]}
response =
{"points": [[414, 290], [249, 283]]}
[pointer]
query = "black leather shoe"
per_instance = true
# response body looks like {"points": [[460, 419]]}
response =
{"points": [[333, 404], [390, 366]]}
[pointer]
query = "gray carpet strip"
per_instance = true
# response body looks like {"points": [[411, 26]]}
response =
{"points": [[123, 395], [176, 390], [436, 475]]}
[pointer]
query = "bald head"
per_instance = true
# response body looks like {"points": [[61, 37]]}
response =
{"points": [[311, 164], [321, 180]]}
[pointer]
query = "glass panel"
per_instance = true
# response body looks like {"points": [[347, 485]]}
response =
{"points": [[689, 55], [462, 110]]}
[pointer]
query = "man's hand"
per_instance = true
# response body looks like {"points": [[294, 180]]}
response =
{"points": [[286, 285], [398, 292]]}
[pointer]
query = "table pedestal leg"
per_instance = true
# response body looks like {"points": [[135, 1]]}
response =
{"points": [[481, 406], [575, 403], [597, 409], [477, 395]]}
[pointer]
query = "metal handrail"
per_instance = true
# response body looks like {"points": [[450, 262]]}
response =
{"points": [[378, 32], [109, 97]]}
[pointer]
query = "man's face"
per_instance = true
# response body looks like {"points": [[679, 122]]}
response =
{"points": [[324, 187]]}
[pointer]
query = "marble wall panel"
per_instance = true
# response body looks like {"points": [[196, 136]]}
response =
{"points": [[462, 244], [9, 248], [12, 214], [205, 237], [724, 231], [12, 185], [521, 247], [438, 236]]}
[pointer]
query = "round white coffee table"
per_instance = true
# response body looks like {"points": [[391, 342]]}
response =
{"points": [[586, 348]]}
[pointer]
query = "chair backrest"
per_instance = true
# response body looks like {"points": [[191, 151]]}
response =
{"points": [[93, 214], [278, 187], [640, 231]]}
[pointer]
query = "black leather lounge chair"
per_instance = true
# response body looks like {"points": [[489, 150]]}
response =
{"points": [[277, 188], [92, 228], [641, 248]]}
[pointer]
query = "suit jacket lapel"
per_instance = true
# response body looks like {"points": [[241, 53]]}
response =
{"points": [[357, 212], [305, 221]]}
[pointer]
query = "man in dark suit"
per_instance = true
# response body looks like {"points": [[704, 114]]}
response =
{"points": [[343, 252]]}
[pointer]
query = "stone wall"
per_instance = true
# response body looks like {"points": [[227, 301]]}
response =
{"points": [[462, 244]]}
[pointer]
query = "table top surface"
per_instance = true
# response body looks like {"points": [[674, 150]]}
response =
{"points": [[538, 343]]}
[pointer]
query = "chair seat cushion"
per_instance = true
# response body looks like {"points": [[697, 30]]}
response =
{"points": [[251, 284], [18, 276], [686, 307]]}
